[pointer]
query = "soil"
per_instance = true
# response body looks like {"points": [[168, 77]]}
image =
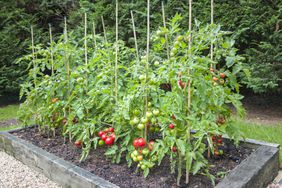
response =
{"points": [[121, 174]]}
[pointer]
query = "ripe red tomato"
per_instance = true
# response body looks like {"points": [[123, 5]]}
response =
{"points": [[222, 75], [181, 84], [174, 149], [113, 135], [78, 143], [141, 142], [214, 78], [171, 126], [109, 141], [100, 133], [104, 137], [219, 141], [111, 129], [136, 143]]}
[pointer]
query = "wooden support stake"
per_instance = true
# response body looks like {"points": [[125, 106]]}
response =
{"points": [[116, 55], [166, 38], [94, 34], [51, 49], [135, 40], [104, 29], [33, 56]]}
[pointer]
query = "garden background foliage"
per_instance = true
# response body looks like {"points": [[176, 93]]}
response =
{"points": [[256, 26]]}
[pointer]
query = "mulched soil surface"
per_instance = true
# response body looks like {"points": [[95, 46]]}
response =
{"points": [[121, 174]]}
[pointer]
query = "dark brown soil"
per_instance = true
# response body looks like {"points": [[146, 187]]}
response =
{"points": [[121, 174]]}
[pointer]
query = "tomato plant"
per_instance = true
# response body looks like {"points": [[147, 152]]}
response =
{"points": [[145, 120]]}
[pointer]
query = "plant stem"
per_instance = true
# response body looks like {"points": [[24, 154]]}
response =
{"points": [[51, 49], [135, 40], [164, 23], [94, 34], [104, 29], [33, 56], [179, 170]]}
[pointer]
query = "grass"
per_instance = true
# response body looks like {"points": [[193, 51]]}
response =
{"points": [[268, 133], [9, 112]]}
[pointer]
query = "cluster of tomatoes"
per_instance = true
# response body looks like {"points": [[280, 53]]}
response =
{"points": [[217, 78], [217, 143], [107, 136], [142, 150], [149, 120]]}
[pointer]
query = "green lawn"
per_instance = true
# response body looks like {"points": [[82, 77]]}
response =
{"points": [[9, 112], [266, 133]]}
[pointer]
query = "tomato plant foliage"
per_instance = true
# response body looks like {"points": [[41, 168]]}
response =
{"points": [[79, 100]]}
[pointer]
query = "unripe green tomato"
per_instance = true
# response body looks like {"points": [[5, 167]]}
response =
{"points": [[156, 63], [172, 131], [172, 54], [143, 61], [139, 165], [135, 152], [149, 104], [132, 155], [149, 114], [101, 142], [157, 129], [131, 122], [156, 112], [153, 120], [135, 159], [140, 126], [136, 112], [143, 167], [139, 157], [145, 151], [135, 120], [144, 120], [46, 76], [220, 152], [142, 77]]}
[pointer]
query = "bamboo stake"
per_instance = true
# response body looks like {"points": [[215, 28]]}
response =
{"points": [[211, 51], [189, 79], [104, 28], [212, 13], [67, 66], [33, 56], [135, 40], [166, 38], [51, 49], [94, 34], [116, 55], [85, 39], [147, 62]]}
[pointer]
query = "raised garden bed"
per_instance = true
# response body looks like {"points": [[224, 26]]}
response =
{"points": [[253, 164]]}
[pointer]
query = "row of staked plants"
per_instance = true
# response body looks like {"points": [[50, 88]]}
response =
{"points": [[138, 104]]}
